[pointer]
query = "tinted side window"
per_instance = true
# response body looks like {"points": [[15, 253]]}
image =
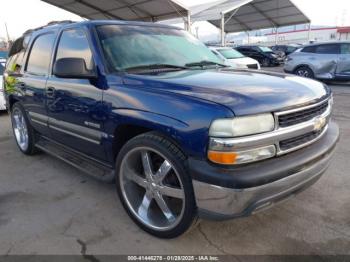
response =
{"points": [[309, 49], [40, 55], [74, 44], [328, 49], [345, 49]]}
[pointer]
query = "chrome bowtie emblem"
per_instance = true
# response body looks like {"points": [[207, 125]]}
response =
{"points": [[320, 122]]}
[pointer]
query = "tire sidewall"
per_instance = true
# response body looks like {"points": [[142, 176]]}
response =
{"points": [[31, 133], [266, 62], [305, 68], [190, 211]]}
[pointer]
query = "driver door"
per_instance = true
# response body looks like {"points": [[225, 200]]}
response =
{"points": [[74, 105]]}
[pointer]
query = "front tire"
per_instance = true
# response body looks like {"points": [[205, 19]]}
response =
{"points": [[155, 187], [24, 133], [304, 71]]}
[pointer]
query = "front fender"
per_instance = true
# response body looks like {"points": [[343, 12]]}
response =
{"points": [[192, 141]]}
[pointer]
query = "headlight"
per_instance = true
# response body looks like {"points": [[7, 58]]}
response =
{"points": [[239, 127], [242, 126]]}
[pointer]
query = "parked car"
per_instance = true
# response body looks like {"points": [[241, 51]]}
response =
{"points": [[285, 49], [264, 55], [2, 98], [233, 58], [182, 135], [326, 61]]}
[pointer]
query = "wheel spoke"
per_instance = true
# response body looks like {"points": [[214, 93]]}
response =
{"points": [[133, 176], [171, 192], [163, 171], [147, 165], [144, 207], [164, 207]]}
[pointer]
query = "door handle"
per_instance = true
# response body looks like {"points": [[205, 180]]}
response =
{"points": [[50, 92], [21, 86]]}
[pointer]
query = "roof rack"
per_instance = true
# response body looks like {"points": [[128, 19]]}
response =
{"points": [[52, 23]]}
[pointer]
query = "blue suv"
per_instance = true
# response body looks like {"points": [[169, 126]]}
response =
{"points": [[152, 109]]}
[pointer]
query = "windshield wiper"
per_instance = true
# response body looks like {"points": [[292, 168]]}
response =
{"points": [[151, 67], [205, 63]]}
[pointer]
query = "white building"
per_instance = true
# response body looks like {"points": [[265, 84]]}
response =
{"points": [[316, 34]]}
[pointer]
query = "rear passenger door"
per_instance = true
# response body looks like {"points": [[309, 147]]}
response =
{"points": [[30, 87], [74, 105], [343, 68], [326, 59]]}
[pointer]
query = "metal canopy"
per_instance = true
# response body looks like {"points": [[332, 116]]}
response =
{"points": [[246, 15], [137, 10]]}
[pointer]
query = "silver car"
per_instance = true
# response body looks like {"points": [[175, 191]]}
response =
{"points": [[2, 98], [326, 61]]}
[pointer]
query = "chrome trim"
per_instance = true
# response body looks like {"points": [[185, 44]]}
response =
{"points": [[274, 137], [232, 203], [39, 122], [283, 152], [36, 116], [74, 134], [82, 132], [302, 108]]}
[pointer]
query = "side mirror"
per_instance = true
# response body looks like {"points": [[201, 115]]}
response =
{"points": [[72, 68]]}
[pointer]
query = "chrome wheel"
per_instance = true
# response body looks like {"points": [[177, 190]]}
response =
{"points": [[152, 188], [20, 129], [304, 72]]}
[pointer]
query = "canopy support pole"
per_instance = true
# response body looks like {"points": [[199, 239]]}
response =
{"points": [[309, 33], [247, 32], [223, 42], [276, 36], [189, 21]]}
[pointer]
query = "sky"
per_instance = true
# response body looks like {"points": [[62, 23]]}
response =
{"points": [[20, 15]]}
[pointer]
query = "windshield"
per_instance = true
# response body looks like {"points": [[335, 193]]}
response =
{"points": [[230, 53], [291, 49], [134, 46], [265, 49]]}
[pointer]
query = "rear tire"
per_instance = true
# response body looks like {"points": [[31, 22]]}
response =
{"points": [[304, 71], [155, 187], [24, 133], [266, 62]]}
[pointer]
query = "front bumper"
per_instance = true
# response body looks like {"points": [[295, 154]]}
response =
{"points": [[225, 193]]}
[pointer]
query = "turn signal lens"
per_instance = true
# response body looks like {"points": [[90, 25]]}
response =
{"points": [[225, 158], [242, 157]]}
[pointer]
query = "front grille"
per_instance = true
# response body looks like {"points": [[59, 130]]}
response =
{"points": [[302, 116], [252, 66], [299, 140]]}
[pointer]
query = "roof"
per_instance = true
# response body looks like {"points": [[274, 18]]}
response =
{"points": [[137, 10], [248, 15], [66, 23]]}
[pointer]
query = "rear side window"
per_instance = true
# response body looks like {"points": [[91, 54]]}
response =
{"points": [[40, 55], [74, 44], [331, 49], [309, 49], [345, 49]]}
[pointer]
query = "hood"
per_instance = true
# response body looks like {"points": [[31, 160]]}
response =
{"points": [[244, 61], [244, 92]]}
